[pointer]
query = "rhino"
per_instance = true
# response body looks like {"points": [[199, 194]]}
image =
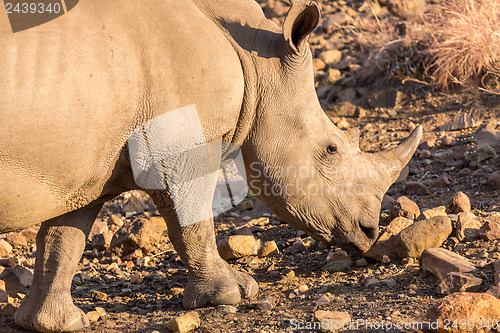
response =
{"points": [[75, 88]]}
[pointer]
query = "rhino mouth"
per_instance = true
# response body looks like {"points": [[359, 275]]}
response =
{"points": [[358, 241]]}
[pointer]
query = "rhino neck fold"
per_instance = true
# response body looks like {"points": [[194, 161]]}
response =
{"points": [[252, 37]]}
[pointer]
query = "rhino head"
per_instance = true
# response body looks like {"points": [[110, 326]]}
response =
{"points": [[309, 172]]}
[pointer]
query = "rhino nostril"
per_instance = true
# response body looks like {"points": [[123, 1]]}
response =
{"points": [[371, 233]]}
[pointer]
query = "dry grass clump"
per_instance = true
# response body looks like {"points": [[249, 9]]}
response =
{"points": [[467, 41], [439, 42]]}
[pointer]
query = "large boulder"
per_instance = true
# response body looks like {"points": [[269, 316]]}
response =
{"points": [[421, 235], [463, 306], [238, 246], [141, 233], [440, 262], [386, 243]]}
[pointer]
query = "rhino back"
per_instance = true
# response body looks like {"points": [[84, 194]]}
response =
{"points": [[73, 89]]}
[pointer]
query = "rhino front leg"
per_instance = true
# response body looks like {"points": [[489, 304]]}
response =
{"points": [[211, 280], [48, 306]]}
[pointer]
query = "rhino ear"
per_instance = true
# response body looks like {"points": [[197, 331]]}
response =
{"points": [[301, 20]]}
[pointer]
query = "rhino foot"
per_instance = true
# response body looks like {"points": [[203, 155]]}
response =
{"points": [[221, 285], [50, 314]]}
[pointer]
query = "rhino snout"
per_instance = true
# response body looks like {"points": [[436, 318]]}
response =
{"points": [[363, 237]]}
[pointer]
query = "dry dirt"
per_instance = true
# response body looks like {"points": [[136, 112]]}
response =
{"points": [[153, 303]]}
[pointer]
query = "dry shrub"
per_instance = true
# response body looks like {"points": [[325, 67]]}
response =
{"points": [[467, 41]]}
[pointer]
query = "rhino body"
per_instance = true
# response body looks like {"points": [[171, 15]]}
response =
{"points": [[75, 88]]}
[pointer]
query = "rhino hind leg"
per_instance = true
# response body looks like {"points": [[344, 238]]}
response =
{"points": [[212, 281], [48, 306]]}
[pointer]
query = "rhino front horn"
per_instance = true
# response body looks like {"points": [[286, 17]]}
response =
{"points": [[399, 157]]}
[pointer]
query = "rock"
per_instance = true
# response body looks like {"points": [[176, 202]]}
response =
{"points": [[303, 288], [448, 141], [331, 320], [142, 233], [442, 155], [386, 259], [494, 291], [424, 154], [371, 282], [440, 262], [93, 316], [485, 153], [102, 241], [184, 323], [134, 204], [427, 145], [494, 180], [226, 308], [8, 309], [413, 240], [330, 57], [433, 212], [10, 261], [297, 246], [441, 182], [98, 227], [318, 64], [137, 254], [337, 255], [237, 246], [5, 248], [490, 231], [99, 296], [246, 204], [386, 243], [16, 239], [114, 220], [404, 207], [333, 21], [323, 300], [417, 188], [334, 75], [343, 123], [463, 305], [25, 275], [12, 283], [467, 227], [488, 137], [338, 265], [456, 281], [459, 203], [389, 282], [361, 262], [388, 202], [384, 98], [268, 249], [267, 304], [4, 297], [496, 273], [136, 278], [322, 91], [101, 311]]}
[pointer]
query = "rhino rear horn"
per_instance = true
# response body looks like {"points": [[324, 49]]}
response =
{"points": [[301, 20]]}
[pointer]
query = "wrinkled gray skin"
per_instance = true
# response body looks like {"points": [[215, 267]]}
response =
{"points": [[73, 89]]}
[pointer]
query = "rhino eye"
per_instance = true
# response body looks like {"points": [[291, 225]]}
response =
{"points": [[331, 149]]}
